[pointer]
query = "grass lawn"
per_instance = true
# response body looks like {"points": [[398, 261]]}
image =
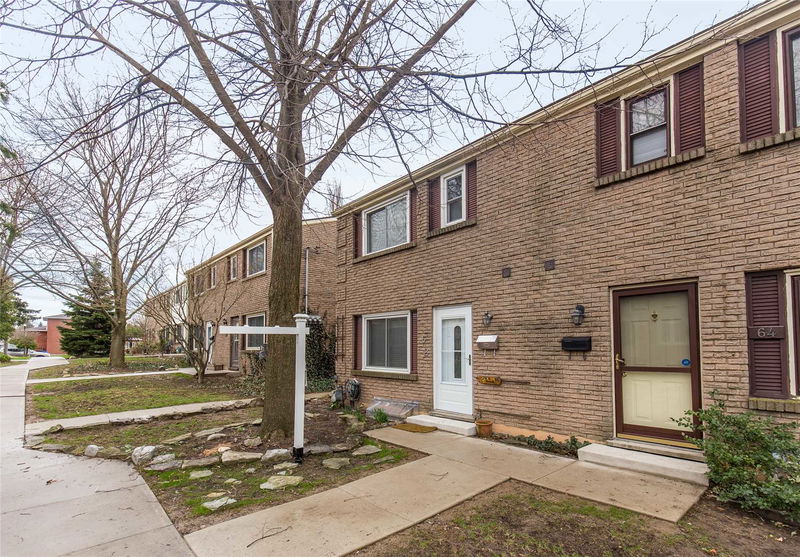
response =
{"points": [[69, 399], [100, 366], [520, 519]]}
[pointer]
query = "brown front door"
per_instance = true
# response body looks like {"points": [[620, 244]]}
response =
{"points": [[656, 360], [234, 363]]}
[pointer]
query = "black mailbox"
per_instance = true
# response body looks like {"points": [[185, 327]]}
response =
{"points": [[576, 344]]}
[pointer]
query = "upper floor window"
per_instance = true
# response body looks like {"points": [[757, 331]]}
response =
{"points": [[793, 75], [386, 226], [233, 267], [199, 283], [256, 262], [648, 127], [769, 91], [453, 197], [212, 276], [663, 122]]}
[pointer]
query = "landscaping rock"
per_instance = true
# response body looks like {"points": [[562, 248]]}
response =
{"points": [[92, 450], [219, 503], [276, 455], [33, 440], [285, 466], [257, 421], [280, 482], [236, 424], [162, 458], [311, 415], [53, 429], [120, 421], [257, 402], [199, 462], [336, 463], [349, 418], [214, 494], [146, 453], [178, 439], [111, 452], [197, 474], [389, 458], [207, 432], [237, 456], [356, 427], [232, 481], [348, 445], [215, 436], [366, 450], [143, 419], [241, 404], [167, 465], [250, 470], [252, 442], [318, 448]]}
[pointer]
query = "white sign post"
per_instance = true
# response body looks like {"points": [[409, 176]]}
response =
{"points": [[300, 331]]}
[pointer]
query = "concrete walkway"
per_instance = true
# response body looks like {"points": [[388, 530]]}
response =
{"points": [[357, 514], [55, 504]]}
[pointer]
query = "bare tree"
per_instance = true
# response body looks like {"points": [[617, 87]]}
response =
{"points": [[186, 312], [288, 88], [116, 199]]}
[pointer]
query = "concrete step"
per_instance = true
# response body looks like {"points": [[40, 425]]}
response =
{"points": [[637, 461], [444, 424], [657, 448]]}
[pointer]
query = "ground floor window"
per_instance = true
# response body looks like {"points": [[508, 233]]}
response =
{"points": [[254, 342], [386, 342], [773, 332]]}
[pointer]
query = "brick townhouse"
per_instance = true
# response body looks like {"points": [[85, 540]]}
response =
{"points": [[231, 288], [601, 265]]}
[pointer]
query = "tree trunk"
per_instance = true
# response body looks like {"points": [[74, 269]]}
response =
{"points": [[284, 296], [117, 355]]}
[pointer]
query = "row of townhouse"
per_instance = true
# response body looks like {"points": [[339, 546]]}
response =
{"points": [[597, 268], [602, 265], [231, 288]]}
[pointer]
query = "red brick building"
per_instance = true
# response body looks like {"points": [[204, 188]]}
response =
{"points": [[603, 264], [53, 335]]}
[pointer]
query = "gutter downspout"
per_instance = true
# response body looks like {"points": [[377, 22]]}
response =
{"points": [[305, 289]]}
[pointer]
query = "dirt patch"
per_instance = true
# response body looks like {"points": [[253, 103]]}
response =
{"points": [[520, 519], [67, 399]]}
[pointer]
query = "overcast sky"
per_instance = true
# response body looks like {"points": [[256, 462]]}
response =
{"points": [[479, 29]]}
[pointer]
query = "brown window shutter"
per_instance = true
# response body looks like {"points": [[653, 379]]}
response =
{"points": [[607, 122], [766, 332], [757, 90], [796, 325], [434, 204], [412, 214], [472, 189], [356, 342], [690, 109], [357, 235], [413, 366]]}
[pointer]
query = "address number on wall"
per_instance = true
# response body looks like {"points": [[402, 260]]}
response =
{"points": [[766, 332]]}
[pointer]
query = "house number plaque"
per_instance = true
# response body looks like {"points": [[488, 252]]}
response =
{"points": [[489, 380], [766, 332]]}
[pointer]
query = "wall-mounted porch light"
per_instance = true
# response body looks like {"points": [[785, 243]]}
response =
{"points": [[487, 319], [578, 314]]}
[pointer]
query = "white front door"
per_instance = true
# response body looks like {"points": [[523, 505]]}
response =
{"points": [[452, 359]]}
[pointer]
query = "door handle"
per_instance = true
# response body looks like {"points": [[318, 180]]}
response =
{"points": [[619, 361], [469, 359]]}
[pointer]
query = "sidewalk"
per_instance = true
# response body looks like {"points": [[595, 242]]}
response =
{"points": [[357, 514], [55, 504]]}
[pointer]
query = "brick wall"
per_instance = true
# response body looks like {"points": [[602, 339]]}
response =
{"points": [[249, 295], [709, 220]]}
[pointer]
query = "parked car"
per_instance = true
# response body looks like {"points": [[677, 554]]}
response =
{"points": [[38, 354]]}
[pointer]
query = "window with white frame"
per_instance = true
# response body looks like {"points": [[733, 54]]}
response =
{"points": [[233, 267], [648, 127], [793, 76], [213, 276], [386, 226], [254, 342], [255, 259], [386, 342], [453, 196]]}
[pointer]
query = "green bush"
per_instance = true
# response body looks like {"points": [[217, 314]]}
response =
{"points": [[752, 460], [380, 416], [4, 358]]}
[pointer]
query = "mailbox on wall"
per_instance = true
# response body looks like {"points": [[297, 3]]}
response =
{"points": [[576, 344], [487, 342]]}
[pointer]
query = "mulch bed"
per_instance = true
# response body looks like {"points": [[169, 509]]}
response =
{"points": [[520, 519]]}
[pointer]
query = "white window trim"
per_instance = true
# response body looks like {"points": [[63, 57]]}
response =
{"points": [[793, 351], [443, 196], [364, 341], [233, 270], [624, 132], [212, 277], [784, 87], [247, 337], [247, 273], [365, 222]]}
